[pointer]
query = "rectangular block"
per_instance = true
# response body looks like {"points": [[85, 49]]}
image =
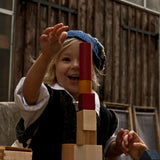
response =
{"points": [[68, 151], [86, 120], [85, 56], [14, 153], [86, 137], [86, 101], [84, 152], [85, 86]]}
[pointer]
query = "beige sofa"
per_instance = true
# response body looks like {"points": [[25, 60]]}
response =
{"points": [[9, 116]]}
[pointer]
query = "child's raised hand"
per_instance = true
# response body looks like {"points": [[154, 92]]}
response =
{"points": [[52, 39]]}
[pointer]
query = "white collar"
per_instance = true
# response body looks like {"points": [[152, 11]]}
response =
{"points": [[56, 86]]}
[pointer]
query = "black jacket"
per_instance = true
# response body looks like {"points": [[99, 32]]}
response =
{"points": [[57, 125]]}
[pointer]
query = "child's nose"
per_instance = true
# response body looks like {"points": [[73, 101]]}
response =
{"points": [[75, 63]]}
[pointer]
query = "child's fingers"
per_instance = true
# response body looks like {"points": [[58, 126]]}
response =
{"points": [[63, 37], [48, 30], [125, 132], [55, 28], [60, 30], [119, 137], [43, 37], [125, 148], [120, 133], [125, 139], [56, 33], [131, 135]]}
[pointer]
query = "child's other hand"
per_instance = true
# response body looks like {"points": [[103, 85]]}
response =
{"points": [[136, 145], [122, 140], [52, 39]]}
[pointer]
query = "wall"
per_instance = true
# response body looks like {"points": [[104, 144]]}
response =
{"points": [[128, 33]]}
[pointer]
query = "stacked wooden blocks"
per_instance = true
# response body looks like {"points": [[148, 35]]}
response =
{"points": [[14, 153], [86, 147]]}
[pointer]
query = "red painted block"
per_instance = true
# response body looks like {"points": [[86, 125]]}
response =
{"points": [[85, 56], [87, 101]]}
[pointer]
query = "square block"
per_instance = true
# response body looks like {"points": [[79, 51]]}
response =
{"points": [[86, 101], [83, 152], [86, 127], [86, 120], [89, 152], [14, 153], [85, 86], [86, 137]]}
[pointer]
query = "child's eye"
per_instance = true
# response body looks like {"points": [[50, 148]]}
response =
{"points": [[66, 59]]}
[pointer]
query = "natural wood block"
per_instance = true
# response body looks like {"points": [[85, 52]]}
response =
{"points": [[86, 137], [68, 151], [82, 152], [14, 153], [86, 101], [86, 120], [89, 152]]}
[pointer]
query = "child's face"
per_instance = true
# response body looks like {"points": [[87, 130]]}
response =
{"points": [[67, 69]]}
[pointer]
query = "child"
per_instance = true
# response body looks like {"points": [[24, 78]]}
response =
{"points": [[48, 96]]}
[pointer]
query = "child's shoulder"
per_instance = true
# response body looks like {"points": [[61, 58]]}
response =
{"points": [[108, 116]]}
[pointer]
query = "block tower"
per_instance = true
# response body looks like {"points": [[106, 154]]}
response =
{"points": [[86, 147]]}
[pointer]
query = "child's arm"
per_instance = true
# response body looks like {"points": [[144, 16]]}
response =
{"points": [[52, 40]]}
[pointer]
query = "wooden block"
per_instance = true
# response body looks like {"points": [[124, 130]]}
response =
{"points": [[86, 137], [85, 86], [89, 152], [83, 152], [86, 120], [85, 56], [86, 101], [68, 151], [14, 153]]}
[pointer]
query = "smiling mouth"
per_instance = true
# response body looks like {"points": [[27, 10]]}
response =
{"points": [[73, 78]]}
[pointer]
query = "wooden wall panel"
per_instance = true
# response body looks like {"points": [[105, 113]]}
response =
{"points": [[82, 12], [30, 36], [131, 57], [72, 19], [123, 56], [99, 20], [116, 53], [90, 16], [131, 73], [144, 60], [138, 69], [109, 51]]}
